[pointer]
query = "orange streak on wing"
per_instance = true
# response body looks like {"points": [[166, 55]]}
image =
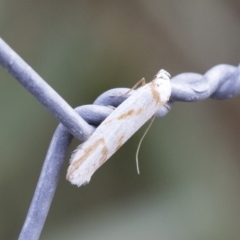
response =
{"points": [[125, 115], [87, 152], [155, 93], [120, 142]]}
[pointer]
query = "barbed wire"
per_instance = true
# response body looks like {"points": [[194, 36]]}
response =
{"points": [[220, 82]]}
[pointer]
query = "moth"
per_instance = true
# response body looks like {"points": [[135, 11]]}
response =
{"points": [[118, 127]]}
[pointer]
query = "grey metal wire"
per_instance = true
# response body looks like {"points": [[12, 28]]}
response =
{"points": [[220, 82], [50, 173], [49, 98]]}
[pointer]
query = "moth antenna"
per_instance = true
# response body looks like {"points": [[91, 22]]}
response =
{"points": [[140, 142]]}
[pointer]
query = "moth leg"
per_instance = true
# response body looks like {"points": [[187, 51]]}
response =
{"points": [[112, 107], [168, 107], [142, 82]]}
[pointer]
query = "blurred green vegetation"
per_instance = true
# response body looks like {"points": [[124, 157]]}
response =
{"points": [[190, 167]]}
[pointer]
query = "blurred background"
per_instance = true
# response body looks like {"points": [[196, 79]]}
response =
{"points": [[189, 187]]}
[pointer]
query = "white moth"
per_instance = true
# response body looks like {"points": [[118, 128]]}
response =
{"points": [[118, 127]]}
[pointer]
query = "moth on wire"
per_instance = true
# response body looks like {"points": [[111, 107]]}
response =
{"points": [[118, 127]]}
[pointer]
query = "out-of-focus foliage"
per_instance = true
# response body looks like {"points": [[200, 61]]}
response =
{"points": [[190, 165]]}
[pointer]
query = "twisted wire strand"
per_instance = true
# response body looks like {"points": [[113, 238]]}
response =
{"points": [[220, 82]]}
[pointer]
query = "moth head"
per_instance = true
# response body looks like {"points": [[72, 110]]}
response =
{"points": [[163, 74]]}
